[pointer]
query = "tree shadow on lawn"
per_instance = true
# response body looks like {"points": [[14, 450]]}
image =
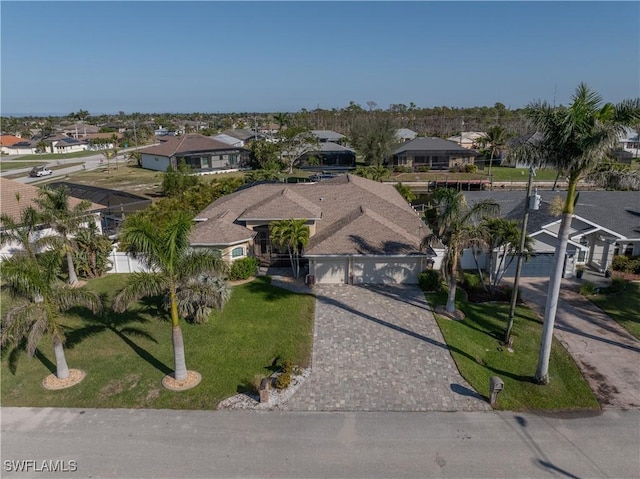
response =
{"points": [[18, 350], [124, 326], [266, 291]]}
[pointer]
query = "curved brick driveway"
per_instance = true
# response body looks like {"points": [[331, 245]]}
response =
{"points": [[378, 348]]}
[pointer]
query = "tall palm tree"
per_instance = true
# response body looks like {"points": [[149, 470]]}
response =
{"points": [[451, 221], [293, 235], [574, 139], [496, 138], [173, 266], [41, 300], [64, 219]]}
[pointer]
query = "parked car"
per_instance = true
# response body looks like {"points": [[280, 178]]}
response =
{"points": [[37, 171]]}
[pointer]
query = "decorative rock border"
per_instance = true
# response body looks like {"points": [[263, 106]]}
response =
{"points": [[51, 382], [192, 380]]}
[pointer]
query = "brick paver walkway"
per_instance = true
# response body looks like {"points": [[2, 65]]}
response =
{"points": [[378, 348]]}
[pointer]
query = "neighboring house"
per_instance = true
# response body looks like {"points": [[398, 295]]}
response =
{"points": [[7, 141], [361, 231], [23, 147], [68, 145], [229, 140], [629, 142], [606, 223], [201, 153], [162, 131], [328, 156], [435, 153], [405, 134], [17, 196], [80, 130], [467, 139], [243, 135], [328, 136]]}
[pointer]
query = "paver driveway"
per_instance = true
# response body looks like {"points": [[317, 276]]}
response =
{"points": [[378, 348]]}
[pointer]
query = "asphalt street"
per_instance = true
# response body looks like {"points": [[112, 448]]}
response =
{"points": [[211, 444]]}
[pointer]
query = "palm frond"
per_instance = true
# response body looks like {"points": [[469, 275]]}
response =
{"points": [[140, 285]]}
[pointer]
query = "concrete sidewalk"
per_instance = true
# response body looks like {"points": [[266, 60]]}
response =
{"points": [[605, 352]]}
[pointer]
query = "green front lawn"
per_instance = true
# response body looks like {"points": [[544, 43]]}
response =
{"points": [[622, 306], [476, 349], [504, 173], [124, 370]]}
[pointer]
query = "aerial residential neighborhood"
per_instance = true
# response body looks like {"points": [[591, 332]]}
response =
{"points": [[363, 240]]}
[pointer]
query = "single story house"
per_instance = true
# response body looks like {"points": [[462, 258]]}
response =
{"points": [[17, 196], [605, 223], [328, 156], [361, 231], [629, 142], [201, 153], [468, 139], [435, 153], [405, 134], [229, 140], [80, 130], [328, 136], [243, 135], [69, 145], [7, 141]]}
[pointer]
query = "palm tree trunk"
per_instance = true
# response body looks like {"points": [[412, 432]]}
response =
{"points": [[451, 299], [542, 372], [62, 370], [490, 163], [180, 364], [293, 266], [73, 277]]}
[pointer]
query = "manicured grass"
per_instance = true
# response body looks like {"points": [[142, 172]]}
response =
{"points": [[623, 306], [125, 178], [60, 156], [476, 349], [503, 173], [124, 370]]}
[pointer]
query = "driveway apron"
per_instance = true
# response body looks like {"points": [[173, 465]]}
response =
{"points": [[605, 352], [378, 348]]}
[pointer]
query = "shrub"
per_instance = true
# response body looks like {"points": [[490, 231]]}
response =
{"points": [[472, 281], [471, 169], [283, 381], [423, 169], [634, 266], [403, 169], [429, 280], [287, 366], [587, 289], [620, 263], [243, 268]]}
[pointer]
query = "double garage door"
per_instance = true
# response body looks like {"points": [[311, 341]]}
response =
{"points": [[366, 270], [539, 266]]}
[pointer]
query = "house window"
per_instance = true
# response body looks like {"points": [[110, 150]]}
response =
{"points": [[237, 252], [628, 251], [581, 256]]}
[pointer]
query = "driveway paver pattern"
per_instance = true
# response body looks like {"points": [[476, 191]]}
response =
{"points": [[378, 348]]}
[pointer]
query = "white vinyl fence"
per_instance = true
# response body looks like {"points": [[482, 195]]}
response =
{"points": [[123, 263]]}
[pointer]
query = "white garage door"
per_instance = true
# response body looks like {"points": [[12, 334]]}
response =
{"points": [[331, 271], [538, 266], [386, 270]]}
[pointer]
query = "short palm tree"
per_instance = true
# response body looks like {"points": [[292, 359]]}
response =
{"points": [[293, 235], [451, 221], [22, 231], [175, 271], [65, 220], [574, 139], [496, 138], [41, 299]]}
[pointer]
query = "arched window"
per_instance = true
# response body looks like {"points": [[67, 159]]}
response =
{"points": [[237, 252]]}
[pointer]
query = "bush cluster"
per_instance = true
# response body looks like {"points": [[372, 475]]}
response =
{"points": [[429, 280], [471, 169], [626, 264], [422, 169], [243, 268], [587, 289], [403, 169]]}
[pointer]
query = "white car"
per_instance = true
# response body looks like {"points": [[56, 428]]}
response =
{"points": [[38, 171]]}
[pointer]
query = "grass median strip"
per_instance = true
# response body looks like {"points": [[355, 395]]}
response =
{"points": [[475, 347], [126, 355]]}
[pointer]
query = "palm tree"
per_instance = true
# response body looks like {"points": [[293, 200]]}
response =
{"points": [[64, 219], [574, 139], [108, 154], [496, 138], [451, 221], [282, 119], [41, 300], [22, 231], [172, 268], [292, 234]]}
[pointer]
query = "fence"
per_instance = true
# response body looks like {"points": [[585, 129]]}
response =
{"points": [[123, 263]]}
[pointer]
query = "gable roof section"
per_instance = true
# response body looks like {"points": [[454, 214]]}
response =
{"points": [[437, 145], [220, 230], [190, 143], [9, 140], [282, 205], [327, 135], [11, 190]]}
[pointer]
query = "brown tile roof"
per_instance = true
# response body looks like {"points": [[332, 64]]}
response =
{"points": [[16, 196], [358, 216], [189, 143], [8, 140]]}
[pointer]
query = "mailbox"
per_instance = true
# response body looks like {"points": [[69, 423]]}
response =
{"points": [[495, 386]]}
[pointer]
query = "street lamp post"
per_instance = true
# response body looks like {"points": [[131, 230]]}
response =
{"points": [[532, 203]]}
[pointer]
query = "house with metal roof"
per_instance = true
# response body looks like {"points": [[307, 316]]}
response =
{"points": [[434, 153], [361, 231], [605, 224], [201, 153]]}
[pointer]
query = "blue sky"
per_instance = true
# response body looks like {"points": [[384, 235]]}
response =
{"points": [[58, 57]]}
